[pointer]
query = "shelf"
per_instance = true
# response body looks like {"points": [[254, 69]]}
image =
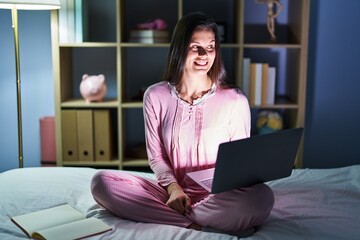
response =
{"points": [[135, 45], [80, 103], [271, 45], [88, 44], [277, 106], [230, 45], [281, 102], [130, 67], [132, 105], [258, 33]]}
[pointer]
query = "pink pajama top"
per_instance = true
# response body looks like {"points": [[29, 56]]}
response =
{"points": [[183, 137]]}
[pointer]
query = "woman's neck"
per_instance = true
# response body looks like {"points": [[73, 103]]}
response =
{"points": [[190, 89]]}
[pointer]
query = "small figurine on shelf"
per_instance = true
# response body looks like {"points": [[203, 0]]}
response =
{"points": [[93, 88], [153, 31], [272, 13]]}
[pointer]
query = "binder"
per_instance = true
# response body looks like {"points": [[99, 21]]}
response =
{"points": [[69, 135], [85, 135], [246, 76], [102, 135]]}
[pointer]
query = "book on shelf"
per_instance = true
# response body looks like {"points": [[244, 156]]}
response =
{"points": [[149, 36], [149, 33], [264, 83], [81, 21], [73, 21], [149, 40], [270, 97], [63, 26], [60, 222], [246, 76], [255, 83]]}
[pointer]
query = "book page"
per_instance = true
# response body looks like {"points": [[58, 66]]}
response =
{"points": [[43, 219], [75, 230]]}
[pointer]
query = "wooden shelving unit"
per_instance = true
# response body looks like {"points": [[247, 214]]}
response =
{"points": [[131, 67]]}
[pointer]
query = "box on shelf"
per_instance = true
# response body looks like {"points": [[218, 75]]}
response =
{"points": [[47, 140], [149, 36]]}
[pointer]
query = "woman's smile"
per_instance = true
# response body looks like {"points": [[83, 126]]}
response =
{"points": [[201, 63]]}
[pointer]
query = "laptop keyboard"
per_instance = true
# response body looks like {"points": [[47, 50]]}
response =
{"points": [[207, 182]]}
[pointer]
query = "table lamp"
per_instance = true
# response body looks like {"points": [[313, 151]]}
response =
{"points": [[14, 6]]}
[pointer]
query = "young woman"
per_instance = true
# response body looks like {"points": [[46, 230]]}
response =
{"points": [[186, 117]]}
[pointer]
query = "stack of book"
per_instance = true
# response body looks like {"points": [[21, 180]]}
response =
{"points": [[149, 36], [259, 82]]}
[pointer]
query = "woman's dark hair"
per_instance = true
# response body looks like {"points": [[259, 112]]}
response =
{"points": [[179, 46]]}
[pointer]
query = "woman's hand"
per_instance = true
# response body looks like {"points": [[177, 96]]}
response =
{"points": [[178, 200]]}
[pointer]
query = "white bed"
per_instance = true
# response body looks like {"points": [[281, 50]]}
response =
{"points": [[310, 204]]}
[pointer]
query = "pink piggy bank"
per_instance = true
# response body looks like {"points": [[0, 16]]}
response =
{"points": [[93, 88]]}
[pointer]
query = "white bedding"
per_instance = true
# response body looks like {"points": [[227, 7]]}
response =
{"points": [[310, 204]]}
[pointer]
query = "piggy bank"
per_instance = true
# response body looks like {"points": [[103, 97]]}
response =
{"points": [[93, 87]]}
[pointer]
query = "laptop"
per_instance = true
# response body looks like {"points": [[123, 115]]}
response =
{"points": [[249, 161]]}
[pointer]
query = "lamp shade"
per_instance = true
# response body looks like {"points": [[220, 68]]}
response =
{"points": [[30, 4]]}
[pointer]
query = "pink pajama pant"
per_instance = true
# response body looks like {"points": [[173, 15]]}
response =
{"points": [[143, 200]]}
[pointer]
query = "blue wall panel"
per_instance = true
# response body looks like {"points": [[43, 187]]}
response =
{"points": [[37, 85], [333, 99]]}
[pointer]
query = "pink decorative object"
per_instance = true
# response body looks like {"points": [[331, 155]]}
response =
{"points": [[93, 88], [47, 139], [157, 24]]}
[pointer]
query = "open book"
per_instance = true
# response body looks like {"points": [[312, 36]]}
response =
{"points": [[61, 222]]}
